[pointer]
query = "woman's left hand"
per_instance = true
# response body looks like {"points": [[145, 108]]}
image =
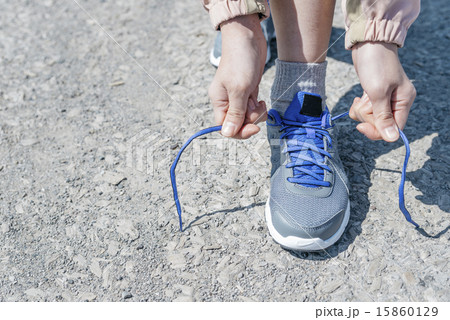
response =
{"points": [[388, 92]]}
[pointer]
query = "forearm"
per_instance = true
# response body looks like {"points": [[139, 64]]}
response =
{"points": [[240, 32]]}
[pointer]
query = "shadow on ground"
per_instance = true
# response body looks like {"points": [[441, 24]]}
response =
{"points": [[224, 212]]}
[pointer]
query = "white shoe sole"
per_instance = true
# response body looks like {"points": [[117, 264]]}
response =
{"points": [[301, 244], [215, 61]]}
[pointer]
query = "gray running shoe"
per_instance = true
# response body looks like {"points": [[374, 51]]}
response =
{"points": [[308, 207], [268, 31]]}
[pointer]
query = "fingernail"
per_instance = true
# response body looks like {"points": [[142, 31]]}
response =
{"points": [[365, 97], [228, 128], [391, 133]]}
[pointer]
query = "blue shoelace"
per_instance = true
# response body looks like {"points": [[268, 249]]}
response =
{"points": [[292, 128], [305, 143], [174, 165]]}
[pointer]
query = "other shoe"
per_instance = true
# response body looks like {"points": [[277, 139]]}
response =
{"points": [[268, 31]]}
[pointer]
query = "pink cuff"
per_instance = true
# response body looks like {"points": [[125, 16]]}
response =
{"points": [[223, 10], [387, 31], [381, 20]]}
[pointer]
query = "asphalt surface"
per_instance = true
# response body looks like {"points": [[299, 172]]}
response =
{"points": [[95, 101]]}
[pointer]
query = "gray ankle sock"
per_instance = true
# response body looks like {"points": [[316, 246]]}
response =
{"points": [[291, 77]]}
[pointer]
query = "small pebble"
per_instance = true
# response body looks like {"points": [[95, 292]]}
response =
{"points": [[126, 295]]}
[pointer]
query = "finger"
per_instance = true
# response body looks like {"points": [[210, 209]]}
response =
{"points": [[384, 119], [247, 131], [365, 112], [259, 114], [235, 114], [369, 131], [262, 110], [253, 99], [361, 109], [254, 94], [401, 117], [251, 104], [219, 100], [249, 128], [402, 103], [219, 115], [354, 106]]}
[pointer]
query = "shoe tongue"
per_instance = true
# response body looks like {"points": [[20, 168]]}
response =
{"points": [[304, 107]]}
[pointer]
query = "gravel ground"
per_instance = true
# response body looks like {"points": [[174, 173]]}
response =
{"points": [[87, 138]]}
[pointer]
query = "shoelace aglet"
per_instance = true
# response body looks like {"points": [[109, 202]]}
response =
{"points": [[175, 192], [339, 116]]}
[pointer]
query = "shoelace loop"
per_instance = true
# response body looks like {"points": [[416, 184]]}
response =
{"points": [[401, 189], [174, 165]]}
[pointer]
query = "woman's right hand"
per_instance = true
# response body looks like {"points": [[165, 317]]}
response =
{"points": [[234, 90]]}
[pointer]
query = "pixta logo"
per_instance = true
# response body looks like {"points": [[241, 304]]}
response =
{"points": [[149, 152], [143, 151]]}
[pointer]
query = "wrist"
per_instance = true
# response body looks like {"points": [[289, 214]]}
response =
{"points": [[242, 37], [378, 57], [374, 45], [247, 26]]}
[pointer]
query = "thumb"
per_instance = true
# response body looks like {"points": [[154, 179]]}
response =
{"points": [[235, 115], [384, 120]]}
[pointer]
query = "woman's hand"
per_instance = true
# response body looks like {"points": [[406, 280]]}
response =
{"points": [[234, 90], [388, 93]]}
